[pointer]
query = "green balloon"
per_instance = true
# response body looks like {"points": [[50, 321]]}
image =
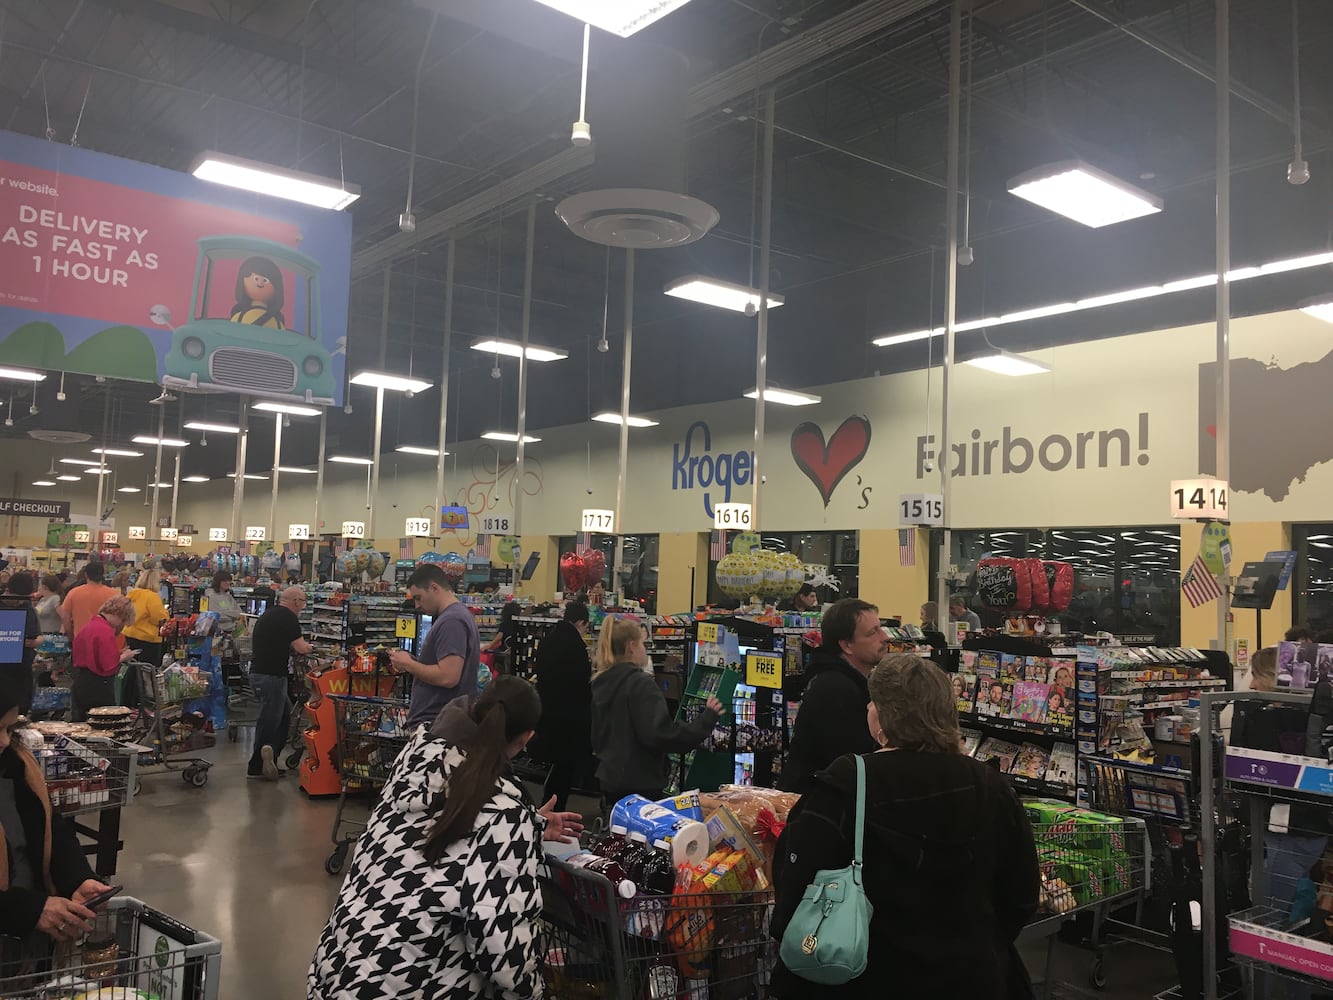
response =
{"points": [[746, 541]]}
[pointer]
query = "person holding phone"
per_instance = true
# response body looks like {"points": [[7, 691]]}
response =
{"points": [[45, 882]]}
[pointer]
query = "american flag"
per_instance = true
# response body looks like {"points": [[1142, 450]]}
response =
{"points": [[483, 547], [906, 546], [717, 546], [1199, 585], [582, 541], [404, 548]]}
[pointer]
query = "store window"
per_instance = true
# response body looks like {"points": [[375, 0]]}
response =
{"points": [[639, 581], [837, 553], [1126, 580], [1313, 575]]}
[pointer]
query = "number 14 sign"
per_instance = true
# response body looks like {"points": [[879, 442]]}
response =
{"points": [[1199, 500]]}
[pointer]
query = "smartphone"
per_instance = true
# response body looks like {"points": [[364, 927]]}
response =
{"points": [[104, 897]]}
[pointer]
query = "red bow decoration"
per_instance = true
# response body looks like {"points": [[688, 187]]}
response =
{"points": [[814, 639], [768, 826]]}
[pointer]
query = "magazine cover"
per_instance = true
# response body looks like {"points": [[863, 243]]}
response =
{"points": [[999, 750], [988, 664], [1060, 770], [965, 691], [1060, 707], [1030, 701], [967, 661], [991, 697], [1031, 761], [1286, 659], [1061, 674], [1007, 696], [1325, 666], [1011, 666], [971, 740], [1036, 669]]}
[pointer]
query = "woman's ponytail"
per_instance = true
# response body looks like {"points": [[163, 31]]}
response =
{"points": [[617, 633]]}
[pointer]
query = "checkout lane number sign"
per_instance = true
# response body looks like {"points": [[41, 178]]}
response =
{"points": [[763, 670]]}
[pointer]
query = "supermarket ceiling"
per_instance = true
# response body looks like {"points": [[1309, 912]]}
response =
{"points": [[858, 217]]}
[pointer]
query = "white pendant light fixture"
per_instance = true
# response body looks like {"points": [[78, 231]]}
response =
{"points": [[277, 182], [295, 411], [69, 479], [722, 294], [1005, 363], [43, 482], [118, 452], [787, 397], [614, 418], [351, 460], [1083, 193], [96, 471], [1320, 308], [166, 442], [128, 489], [248, 475], [296, 470], [413, 449], [620, 17], [508, 436], [195, 479], [203, 425], [21, 374], [80, 461], [512, 349], [387, 380]]}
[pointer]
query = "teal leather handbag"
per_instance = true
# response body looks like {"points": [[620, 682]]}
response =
{"points": [[828, 938]]}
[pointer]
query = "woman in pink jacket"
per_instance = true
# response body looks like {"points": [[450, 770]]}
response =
{"points": [[98, 656]]}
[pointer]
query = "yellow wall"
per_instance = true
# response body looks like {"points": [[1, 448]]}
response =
{"points": [[544, 582], [1250, 542], [897, 590], [677, 555]]}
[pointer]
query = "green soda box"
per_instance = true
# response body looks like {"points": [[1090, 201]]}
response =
{"points": [[1098, 834], [1043, 812]]}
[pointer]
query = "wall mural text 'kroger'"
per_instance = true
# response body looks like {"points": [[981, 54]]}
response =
{"points": [[695, 469]]}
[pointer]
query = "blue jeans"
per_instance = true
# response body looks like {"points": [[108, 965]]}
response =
{"points": [[275, 717], [1288, 858]]}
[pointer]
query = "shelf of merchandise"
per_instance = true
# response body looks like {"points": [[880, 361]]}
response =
{"points": [[1262, 940]]}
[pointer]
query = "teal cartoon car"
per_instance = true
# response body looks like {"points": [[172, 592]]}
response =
{"points": [[254, 325]]}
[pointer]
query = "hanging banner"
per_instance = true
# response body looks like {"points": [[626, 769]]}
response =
{"points": [[114, 268]]}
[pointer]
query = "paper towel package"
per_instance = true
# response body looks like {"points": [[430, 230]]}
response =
{"points": [[653, 822]]}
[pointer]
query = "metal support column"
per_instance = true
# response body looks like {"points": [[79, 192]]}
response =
{"points": [[523, 371], [444, 378], [319, 492], [761, 354], [1223, 239], [157, 458], [621, 480], [373, 491], [238, 487], [277, 460]]}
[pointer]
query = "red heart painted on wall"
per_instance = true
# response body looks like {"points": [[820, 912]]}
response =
{"points": [[827, 464]]}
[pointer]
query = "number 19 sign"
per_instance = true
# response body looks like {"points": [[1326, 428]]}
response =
{"points": [[1199, 499]]}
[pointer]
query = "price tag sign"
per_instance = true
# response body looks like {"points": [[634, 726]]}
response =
{"points": [[731, 516], [405, 627], [185, 541], [921, 508], [763, 670], [1199, 500], [708, 631], [217, 534], [169, 534], [417, 527], [354, 529], [298, 532], [138, 533], [256, 533], [602, 521], [497, 524], [82, 537]]}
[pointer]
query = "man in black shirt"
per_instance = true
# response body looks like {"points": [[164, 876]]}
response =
{"points": [[276, 636]]}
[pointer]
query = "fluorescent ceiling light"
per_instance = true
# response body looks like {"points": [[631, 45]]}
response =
{"points": [[80, 461], [614, 418], [95, 471], [201, 425], [294, 410], [21, 374], [412, 449], [166, 442], [296, 470], [385, 380], [722, 294], [195, 479], [277, 182], [1004, 363], [69, 479], [512, 349], [787, 397], [43, 482], [1085, 194], [122, 452], [1112, 298], [1320, 308], [248, 475], [351, 460], [506, 436], [161, 486], [129, 489], [620, 17]]}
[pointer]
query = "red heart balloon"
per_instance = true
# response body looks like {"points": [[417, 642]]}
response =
{"points": [[572, 571], [594, 565]]}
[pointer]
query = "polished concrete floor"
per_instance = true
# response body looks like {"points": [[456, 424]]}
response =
{"points": [[244, 861]]}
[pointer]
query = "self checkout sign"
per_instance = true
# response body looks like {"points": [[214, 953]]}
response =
{"points": [[600, 521], [921, 508], [1199, 500], [763, 670]]}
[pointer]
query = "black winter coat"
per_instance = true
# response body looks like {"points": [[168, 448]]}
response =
{"points": [[563, 674], [950, 869], [831, 721]]}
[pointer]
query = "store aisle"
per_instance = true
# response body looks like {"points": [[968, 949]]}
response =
{"points": [[242, 860]]}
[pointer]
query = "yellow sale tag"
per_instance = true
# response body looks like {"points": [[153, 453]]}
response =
{"points": [[763, 670], [708, 631], [405, 627]]}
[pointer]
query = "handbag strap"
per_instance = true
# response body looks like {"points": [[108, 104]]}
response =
{"points": [[860, 810]]}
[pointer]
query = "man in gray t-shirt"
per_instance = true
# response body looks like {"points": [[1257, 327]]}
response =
{"points": [[450, 653]]}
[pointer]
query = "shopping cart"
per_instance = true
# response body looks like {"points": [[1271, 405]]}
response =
{"points": [[596, 944], [371, 732], [173, 738], [133, 951]]}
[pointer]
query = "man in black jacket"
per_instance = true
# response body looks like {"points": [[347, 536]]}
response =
{"points": [[564, 735], [831, 721]]}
